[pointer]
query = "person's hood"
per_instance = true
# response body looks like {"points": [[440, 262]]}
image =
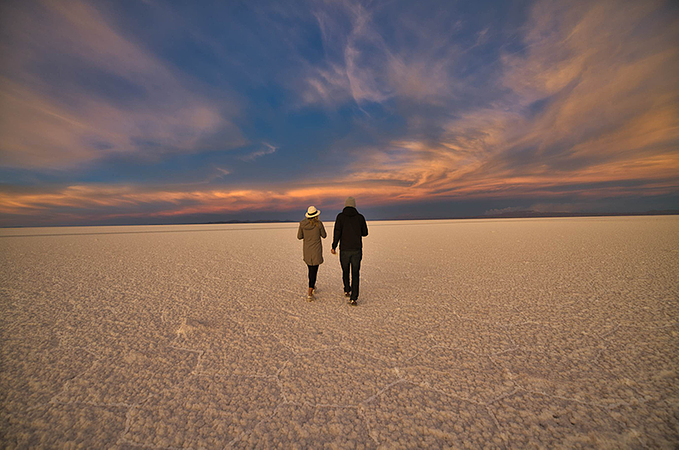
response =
{"points": [[350, 211], [307, 225]]}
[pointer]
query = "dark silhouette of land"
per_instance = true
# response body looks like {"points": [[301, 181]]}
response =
{"points": [[505, 215]]}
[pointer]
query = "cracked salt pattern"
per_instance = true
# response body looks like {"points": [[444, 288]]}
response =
{"points": [[530, 333]]}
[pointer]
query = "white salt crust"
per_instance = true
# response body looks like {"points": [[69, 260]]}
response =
{"points": [[527, 333]]}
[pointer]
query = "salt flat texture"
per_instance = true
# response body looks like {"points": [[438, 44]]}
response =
{"points": [[530, 333]]}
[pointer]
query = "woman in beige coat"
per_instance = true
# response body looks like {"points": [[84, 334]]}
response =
{"points": [[312, 230]]}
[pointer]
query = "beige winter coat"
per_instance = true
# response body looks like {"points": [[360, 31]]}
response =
{"points": [[313, 248]]}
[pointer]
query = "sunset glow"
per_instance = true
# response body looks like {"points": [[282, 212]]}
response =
{"points": [[159, 112]]}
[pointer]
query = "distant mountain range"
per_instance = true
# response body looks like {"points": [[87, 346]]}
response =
{"points": [[530, 213], [504, 215], [245, 221], [500, 215]]}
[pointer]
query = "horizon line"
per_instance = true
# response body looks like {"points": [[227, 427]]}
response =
{"points": [[528, 214]]}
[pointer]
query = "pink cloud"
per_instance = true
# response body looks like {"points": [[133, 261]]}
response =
{"points": [[608, 124], [369, 69], [47, 128], [610, 114]]}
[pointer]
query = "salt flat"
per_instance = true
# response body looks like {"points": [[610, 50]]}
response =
{"points": [[526, 333]]}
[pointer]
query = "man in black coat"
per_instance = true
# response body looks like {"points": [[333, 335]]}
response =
{"points": [[350, 227]]}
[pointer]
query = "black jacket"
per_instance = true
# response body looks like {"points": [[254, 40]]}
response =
{"points": [[350, 226]]}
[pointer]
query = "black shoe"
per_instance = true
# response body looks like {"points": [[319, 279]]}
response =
{"points": [[347, 293], [352, 302]]}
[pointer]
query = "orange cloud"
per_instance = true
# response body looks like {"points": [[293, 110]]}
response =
{"points": [[590, 112], [607, 99], [43, 127]]}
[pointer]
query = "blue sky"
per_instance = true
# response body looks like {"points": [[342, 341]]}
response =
{"points": [[160, 112]]}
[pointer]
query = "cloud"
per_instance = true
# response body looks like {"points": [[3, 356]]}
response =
{"points": [[327, 86], [75, 89], [482, 36], [101, 203], [581, 105], [587, 102], [266, 149], [360, 65]]}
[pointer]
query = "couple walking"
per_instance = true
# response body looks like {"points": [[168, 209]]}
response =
{"points": [[350, 227]]}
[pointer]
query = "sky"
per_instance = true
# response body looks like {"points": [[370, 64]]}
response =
{"points": [[134, 112]]}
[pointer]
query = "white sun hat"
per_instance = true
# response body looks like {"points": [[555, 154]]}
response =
{"points": [[312, 212]]}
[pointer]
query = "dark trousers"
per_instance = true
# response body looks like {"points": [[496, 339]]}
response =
{"points": [[313, 272], [351, 262]]}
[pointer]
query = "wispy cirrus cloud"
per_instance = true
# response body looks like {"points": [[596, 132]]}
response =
{"points": [[362, 66], [102, 203], [576, 102], [586, 101], [74, 89], [265, 149], [83, 204], [223, 171]]}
